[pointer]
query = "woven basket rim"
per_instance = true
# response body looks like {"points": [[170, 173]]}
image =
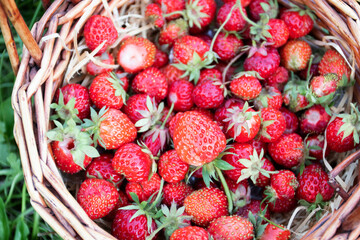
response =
{"points": [[48, 193]]}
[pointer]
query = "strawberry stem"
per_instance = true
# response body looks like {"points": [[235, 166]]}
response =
{"points": [[167, 116], [271, 222], [152, 235], [226, 189], [174, 13], [238, 3]]}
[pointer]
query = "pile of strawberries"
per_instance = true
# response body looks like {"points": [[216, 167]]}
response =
{"points": [[210, 128]]}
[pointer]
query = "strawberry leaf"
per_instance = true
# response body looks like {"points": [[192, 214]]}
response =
{"points": [[223, 165]]}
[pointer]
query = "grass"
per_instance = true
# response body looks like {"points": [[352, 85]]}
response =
{"points": [[18, 220]]}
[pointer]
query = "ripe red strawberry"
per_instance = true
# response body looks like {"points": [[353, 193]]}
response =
{"points": [[292, 122], [314, 181], [126, 227], [273, 232], [97, 197], [325, 85], [246, 87], [254, 207], [242, 124], [152, 82], [173, 74], [258, 145], [97, 30], [236, 22], [231, 228], [161, 59], [242, 188], [109, 90], [208, 94], [164, 115], [156, 139], [134, 187], [200, 14], [132, 162], [94, 69], [123, 201], [171, 6], [294, 95], [221, 112], [190, 233], [283, 186], [171, 168], [172, 31], [315, 144], [180, 94], [256, 8], [238, 151], [265, 65], [210, 74], [191, 145], [282, 205], [270, 97], [81, 104], [244, 3], [136, 54], [278, 79], [227, 46], [272, 125], [279, 33], [333, 62], [342, 133], [299, 23], [288, 150], [205, 205], [102, 168], [144, 189], [295, 55], [176, 192], [173, 123], [154, 14], [314, 120]]}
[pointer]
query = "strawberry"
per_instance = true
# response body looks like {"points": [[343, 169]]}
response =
{"points": [[94, 69], [165, 118], [246, 87], [102, 168], [221, 112], [106, 156], [176, 192], [313, 181], [171, 6], [97, 197], [152, 82], [73, 102], [279, 33], [236, 22], [171, 168], [136, 54], [180, 94], [173, 123], [190, 233], [210, 74], [299, 22], [135, 188], [172, 31], [208, 94], [264, 64], [173, 74], [156, 139], [294, 95], [132, 162], [231, 228], [237, 151], [325, 85], [244, 3], [161, 59], [108, 90], [314, 120], [314, 71], [97, 30], [342, 133], [154, 14], [71, 147], [144, 189], [123, 201], [288, 150], [227, 46], [295, 55], [242, 124], [200, 14], [315, 144], [269, 97], [127, 225], [205, 205], [257, 7], [258, 145], [272, 125], [278, 79], [333, 62], [242, 188], [273, 232], [254, 207], [292, 122], [194, 147], [283, 186], [282, 205]]}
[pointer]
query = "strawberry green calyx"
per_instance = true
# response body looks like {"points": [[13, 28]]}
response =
{"points": [[118, 85], [257, 221], [260, 30], [64, 111], [253, 167], [322, 89], [351, 123], [295, 92], [93, 126], [247, 74], [319, 203], [81, 139], [301, 11], [271, 8], [193, 13], [152, 115]]}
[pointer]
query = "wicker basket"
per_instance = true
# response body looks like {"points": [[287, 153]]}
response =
{"points": [[37, 82]]}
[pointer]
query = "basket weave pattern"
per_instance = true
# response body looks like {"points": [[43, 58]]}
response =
{"points": [[35, 87]]}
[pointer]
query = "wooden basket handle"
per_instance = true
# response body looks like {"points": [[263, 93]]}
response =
{"points": [[8, 8]]}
